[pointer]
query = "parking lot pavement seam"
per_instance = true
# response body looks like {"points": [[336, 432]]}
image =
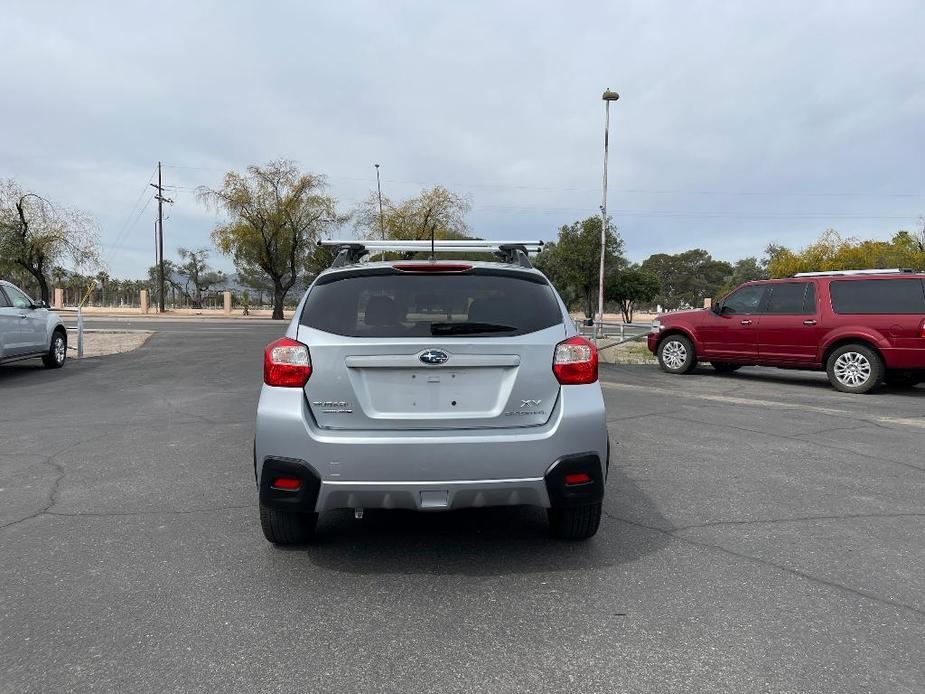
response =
{"points": [[796, 519], [794, 437], [117, 514], [876, 420], [672, 533]]}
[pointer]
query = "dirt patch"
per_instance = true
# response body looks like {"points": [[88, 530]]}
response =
{"points": [[99, 343], [627, 353]]}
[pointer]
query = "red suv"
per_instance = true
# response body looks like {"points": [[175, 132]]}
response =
{"points": [[863, 327]]}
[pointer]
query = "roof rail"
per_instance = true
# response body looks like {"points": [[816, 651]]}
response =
{"points": [[833, 273], [350, 252]]}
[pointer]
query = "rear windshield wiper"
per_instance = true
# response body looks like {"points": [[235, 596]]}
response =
{"points": [[467, 328]]}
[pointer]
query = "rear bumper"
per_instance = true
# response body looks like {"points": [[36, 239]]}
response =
{"points": [[388, 469], [550, 490]]}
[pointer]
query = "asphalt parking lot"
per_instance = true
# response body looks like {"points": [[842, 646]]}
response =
{"points": [[763, 533]]}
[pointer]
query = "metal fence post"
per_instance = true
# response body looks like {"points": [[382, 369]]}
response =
{"points": [[80, 334]]}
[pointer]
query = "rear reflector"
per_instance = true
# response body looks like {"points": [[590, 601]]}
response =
{"points": [[431, 267], [286, 364], [577, 478], [575, 361], [290, 484]]}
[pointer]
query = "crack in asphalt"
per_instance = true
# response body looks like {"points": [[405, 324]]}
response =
{"points": [[672, 533]]}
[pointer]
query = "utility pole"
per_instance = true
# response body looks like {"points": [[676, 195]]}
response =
{"points": [[160, 238], [607, 96], [381, 218]]}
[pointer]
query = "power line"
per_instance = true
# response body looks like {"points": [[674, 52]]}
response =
{"points": [[126, 227]]}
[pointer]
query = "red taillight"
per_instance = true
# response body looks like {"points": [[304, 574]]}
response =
{"points": [[577, 478], [922, 329], [575, 361], [290, 484], [431, 267], [286, 363]]}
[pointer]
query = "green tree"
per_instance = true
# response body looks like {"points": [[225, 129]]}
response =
{"points": [[744, 270], [628, 288], [276, 216], [572, 263], [36, 234], [687, 278], [832, 252]]}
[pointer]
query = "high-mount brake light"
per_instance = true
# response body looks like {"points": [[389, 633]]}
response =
{"points": [[286, 364], [575, 361], [432, 267]]}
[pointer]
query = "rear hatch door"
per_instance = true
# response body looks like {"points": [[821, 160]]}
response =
{"points": [[399, 350]]}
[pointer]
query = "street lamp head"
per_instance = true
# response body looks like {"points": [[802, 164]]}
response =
{"points": [[376, 165], [609, 95]]}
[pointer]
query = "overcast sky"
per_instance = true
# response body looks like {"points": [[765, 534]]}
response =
{"points": [[738, 123]]}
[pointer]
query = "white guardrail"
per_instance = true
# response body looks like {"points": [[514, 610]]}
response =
{"points": [[621, 332]]}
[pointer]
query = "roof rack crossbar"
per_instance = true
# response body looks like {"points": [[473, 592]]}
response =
{"points": [[834, 273], [350, 252]]}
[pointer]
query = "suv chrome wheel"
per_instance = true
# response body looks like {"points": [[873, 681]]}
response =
{"points": [[674, 354], [852, 369]]}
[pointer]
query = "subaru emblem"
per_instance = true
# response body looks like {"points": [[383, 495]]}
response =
{"points": [[433, 356]]}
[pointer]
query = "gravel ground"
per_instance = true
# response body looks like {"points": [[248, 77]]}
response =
{"points": [[99, 344]]}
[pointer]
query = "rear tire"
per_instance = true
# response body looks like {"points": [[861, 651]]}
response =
{"points": [[855, 368], [724, 367], [285, 527], [575, 522], [57, 352], [676, 355]]}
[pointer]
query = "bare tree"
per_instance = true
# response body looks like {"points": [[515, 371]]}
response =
{"points": [[435, 210], [36, 235]]}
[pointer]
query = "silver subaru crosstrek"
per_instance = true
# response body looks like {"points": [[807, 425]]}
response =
{"points": [[430, 385], [28, 329]]}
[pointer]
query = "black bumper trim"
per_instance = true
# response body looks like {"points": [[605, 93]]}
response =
{"points": [[302, 501], [562, 495]]}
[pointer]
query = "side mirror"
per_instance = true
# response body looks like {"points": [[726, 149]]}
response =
{"points": [[41, 303], [589, 322], [717, 308]]}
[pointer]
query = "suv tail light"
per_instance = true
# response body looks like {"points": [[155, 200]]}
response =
{"points": [[286, 363], [922, 329], [575, 361]]}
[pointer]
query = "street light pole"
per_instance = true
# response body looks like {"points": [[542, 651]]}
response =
{"points": [[607, 96], [381, 218]]}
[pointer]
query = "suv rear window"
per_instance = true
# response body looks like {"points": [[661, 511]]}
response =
{"points": [[878, 296], [395, 304]]}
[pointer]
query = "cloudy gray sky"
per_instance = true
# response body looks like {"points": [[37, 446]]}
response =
{"points": [[738, 123]]}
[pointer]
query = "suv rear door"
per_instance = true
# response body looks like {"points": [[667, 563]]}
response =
{"points": [[392, 349], [790, 328], [895, 308]]}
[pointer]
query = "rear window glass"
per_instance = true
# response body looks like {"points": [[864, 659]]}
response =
{"points": [[792, 298], [878, 296], [446, 305]]}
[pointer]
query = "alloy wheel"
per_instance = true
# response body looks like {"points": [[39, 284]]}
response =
{"points": [[852, 369], [674, 354], [60, 350]]}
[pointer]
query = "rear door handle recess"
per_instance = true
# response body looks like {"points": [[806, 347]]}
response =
{"points": [[809, 322], [745, 322]]}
